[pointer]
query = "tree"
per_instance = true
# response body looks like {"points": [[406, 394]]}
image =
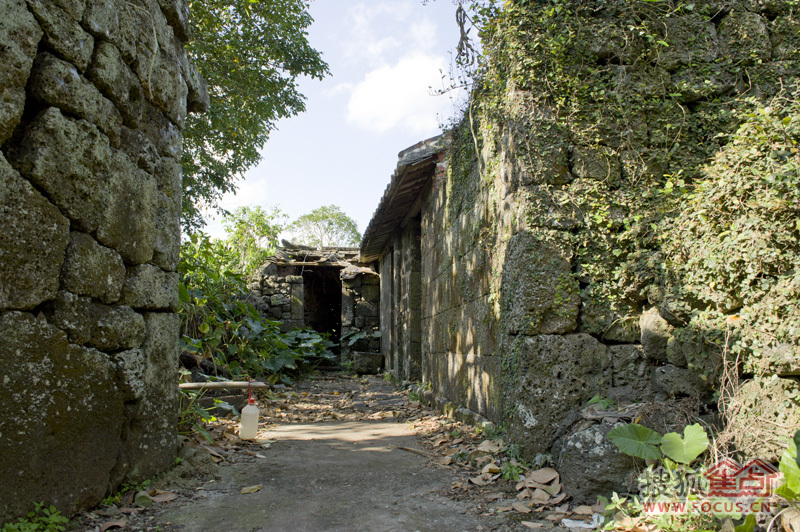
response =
{"points": [[250, 52], [252, 236], [325, 226]]}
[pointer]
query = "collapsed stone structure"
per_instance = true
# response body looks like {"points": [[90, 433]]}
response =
{"points": [[489, 241], [93, 96], [327, 290]]}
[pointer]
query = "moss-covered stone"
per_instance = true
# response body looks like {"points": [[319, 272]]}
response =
{"points": [[32, 242], [91, 269], [61, 416]]}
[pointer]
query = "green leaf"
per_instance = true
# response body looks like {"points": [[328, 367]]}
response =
{"points": [[203, 328], [685, 450], [790, 468], [636, 440], [749, 524], [796, 445]]}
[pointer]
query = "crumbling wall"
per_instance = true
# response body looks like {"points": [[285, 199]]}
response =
{"points": [[93, 95], [545, 262], [278, 292]]}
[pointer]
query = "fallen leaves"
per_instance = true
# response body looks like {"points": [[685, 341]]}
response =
{"points": [[251, 489]]}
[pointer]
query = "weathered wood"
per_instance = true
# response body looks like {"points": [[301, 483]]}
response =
{"points": [[222, 385]]}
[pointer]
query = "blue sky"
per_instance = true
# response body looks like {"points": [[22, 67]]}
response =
{"points": [[384, 55]]}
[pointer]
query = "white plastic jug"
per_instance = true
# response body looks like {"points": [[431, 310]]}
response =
{"points": [[248, 424]]}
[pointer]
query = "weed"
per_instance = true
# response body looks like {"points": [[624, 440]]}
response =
{"points": [[41, 518]]}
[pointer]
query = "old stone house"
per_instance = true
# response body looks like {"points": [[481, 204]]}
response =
{"points": [[327, 290]]}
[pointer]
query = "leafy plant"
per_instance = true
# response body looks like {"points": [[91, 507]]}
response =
{"points": [[639, 441], [40, 519], [325, 226], [220, 324], [251, 54]]}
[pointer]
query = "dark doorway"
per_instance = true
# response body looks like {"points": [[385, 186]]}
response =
{"points": [[322, 290]]}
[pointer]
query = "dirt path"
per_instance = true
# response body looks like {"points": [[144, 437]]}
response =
{"points": [[334, 454]]}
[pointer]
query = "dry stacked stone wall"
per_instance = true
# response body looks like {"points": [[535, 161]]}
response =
{"points": [[93, 96], [544, 283]]}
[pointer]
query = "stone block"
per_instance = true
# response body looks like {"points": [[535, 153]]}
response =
{"points": [[91, 269], [539, 293], [177, 14], [367, 363], [167, 243], [149, 435], [615, 322], [371, 293], [111, 75], [590, 465], [631, 369], [62, 156], [63, 33], [679, 382], [169, 173], [294, 279], [358, 322], [279, 299], [692, 38], [32, 242], [140, 150], [599, 163], [129, 217], [71, 391], [164, 134], [12, 104], [572, 368], [656, 333], [118, 23], [151, 288], [105, 327], [368, 309], [58, 83], [744, 37], [766, 403], [20, 35], [297, 302], [370, 279]]}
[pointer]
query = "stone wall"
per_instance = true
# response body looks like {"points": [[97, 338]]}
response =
{"points": [[279, 294], [533, 301], [93, 95], [361, 301]]}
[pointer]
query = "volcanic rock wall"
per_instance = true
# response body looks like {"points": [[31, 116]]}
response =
{"points": [[93, 96], [546, 261]]}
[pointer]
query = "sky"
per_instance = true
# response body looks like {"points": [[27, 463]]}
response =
{"points": [[385, 57]]}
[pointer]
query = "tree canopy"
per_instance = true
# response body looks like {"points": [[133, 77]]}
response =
{"points": [[252, 236], [325, 226], [251, 53]]}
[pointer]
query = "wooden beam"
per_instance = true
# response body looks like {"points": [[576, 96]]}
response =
{"points": [[222, 385]]}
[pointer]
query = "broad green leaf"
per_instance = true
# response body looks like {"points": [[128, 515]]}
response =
{"points": [[796, 445], [685, 450], [790, 469], [749, 524], [636, 440]]}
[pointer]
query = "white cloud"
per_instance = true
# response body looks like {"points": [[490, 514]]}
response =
{"points": [[377, 32], [399, 95]]}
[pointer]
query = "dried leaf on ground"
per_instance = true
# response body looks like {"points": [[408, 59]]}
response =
{"points": [[251, 489], [494, 496], [478, 481], [583, 510], [558, 499], [163, 496], [521, 507], [532, 524], [121, 523], [492, 469], [540, 496], [491, 446], [543, 476]]}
